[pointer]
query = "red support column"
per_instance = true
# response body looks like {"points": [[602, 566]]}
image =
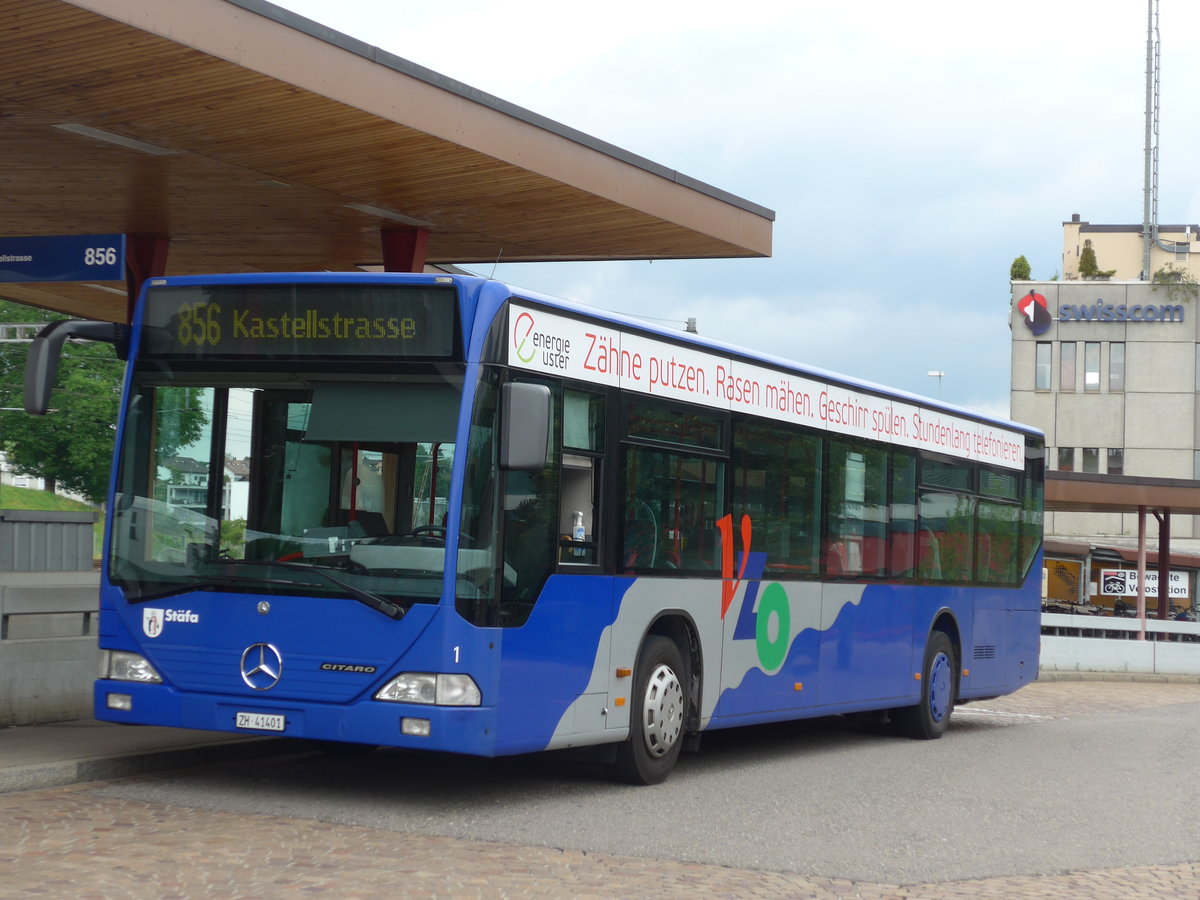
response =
{"points": [[145, 257], [404, 249]]}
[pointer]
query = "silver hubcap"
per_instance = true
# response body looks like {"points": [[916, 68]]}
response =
{"points": [[662, 711]]}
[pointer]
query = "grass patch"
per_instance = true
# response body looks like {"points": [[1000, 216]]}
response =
{"points": [[26, 498]]}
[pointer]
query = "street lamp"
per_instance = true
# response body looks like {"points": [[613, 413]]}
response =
{"points": [[939, 376]]}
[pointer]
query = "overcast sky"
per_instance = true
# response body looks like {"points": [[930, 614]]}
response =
{"points": [[910, 151]]}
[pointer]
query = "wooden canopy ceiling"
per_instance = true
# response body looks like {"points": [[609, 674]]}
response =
{"points": [[263, 130]]}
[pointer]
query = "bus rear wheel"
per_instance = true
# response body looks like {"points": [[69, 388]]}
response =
{"points": [[656, 719], [929, 718]]}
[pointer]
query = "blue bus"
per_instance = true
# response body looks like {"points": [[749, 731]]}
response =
{"points": [[439, 512]]}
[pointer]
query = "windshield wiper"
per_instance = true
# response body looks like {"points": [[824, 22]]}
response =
{"points": [[207, 583], [365, 597]]}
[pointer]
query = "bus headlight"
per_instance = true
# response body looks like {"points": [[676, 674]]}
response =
{"points": [[438, 689], [122, 666]]}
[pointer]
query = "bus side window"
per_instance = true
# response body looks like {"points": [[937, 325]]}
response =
{"points": [[671, 500], [530, 509], [579, 504], [577, 512], [856, 510], [776, 481]]}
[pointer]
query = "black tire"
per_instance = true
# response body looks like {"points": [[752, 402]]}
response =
{"points": [[939, 685], [659, 703]]}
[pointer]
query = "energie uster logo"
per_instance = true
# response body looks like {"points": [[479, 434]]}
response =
{"points": [[522, 344], [1037, 316]]}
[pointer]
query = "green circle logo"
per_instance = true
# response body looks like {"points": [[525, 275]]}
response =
{"points": [[773, 608]]}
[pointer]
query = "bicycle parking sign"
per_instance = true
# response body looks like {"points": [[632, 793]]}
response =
{"points": [[1124, 583]]}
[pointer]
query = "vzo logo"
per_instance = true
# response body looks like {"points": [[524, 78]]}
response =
{"points": [[770, 625]]}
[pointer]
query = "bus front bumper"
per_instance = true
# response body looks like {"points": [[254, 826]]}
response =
{"points": [[469, 730]]}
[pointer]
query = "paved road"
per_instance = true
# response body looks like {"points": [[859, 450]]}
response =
{"points": [[1065, 789]]}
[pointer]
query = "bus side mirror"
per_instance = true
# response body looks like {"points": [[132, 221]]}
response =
{"points": [[42, 365], [525, 428]]}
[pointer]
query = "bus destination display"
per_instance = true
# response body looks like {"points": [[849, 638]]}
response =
{"points": [[299, 320]]}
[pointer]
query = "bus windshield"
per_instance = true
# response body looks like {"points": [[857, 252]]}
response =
{"points": [[285, 483]]}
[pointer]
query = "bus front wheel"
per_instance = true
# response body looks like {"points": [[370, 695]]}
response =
{"points": [[929, 718], [656, 716]]}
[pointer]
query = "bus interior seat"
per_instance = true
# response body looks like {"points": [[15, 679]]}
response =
{"points": [[370, 524], [639, 544]]}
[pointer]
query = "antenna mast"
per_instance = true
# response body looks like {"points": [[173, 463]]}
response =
{"points": [[1150, 189]]}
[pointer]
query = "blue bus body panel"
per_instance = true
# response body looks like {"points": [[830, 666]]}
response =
{"points": [[548, 662], [554, 682]]}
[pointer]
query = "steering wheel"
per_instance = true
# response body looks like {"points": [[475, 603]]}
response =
{"points": [[430, 533]]}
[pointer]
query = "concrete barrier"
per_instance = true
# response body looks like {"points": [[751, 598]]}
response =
{"points": [[49, 593], [1103, 644]]}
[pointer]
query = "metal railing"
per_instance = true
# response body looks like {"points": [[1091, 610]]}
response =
{"points": [[1118, 627], [19, 333]]}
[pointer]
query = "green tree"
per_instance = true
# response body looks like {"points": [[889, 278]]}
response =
{"points": [[1020, 270], [73, 445], [1088, 266], [1179, 282]]}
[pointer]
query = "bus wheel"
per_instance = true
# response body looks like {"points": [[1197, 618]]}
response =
{"points": [[656, 718], [929, 718]]}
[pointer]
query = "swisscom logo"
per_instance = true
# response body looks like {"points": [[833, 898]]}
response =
{"points": [[1037, 314]]}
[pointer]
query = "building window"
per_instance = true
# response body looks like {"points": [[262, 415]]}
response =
{"points": [[1116, 461], [1066, 459], [1091, 460], [1066, 366], [1041, 379], [1196, 465], [1091, 366], [1116, 368]]}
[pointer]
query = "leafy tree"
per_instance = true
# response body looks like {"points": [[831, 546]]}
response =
{"points": [[1088, 267], [1178, 281], [1173, 274], [1020, 270], [72, 446]]}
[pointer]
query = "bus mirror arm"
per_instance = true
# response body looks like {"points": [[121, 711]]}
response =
{"points": [[525, 428], [46, 350]]}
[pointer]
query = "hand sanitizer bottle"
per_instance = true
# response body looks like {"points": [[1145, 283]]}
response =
{"points": [[578, 533]]}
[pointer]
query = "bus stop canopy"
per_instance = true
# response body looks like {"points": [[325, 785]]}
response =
{"points": [[1161, 497], [1084, 492], [240, 137]]}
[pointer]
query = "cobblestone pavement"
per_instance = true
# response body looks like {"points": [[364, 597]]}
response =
{"points": [[72, 842]]}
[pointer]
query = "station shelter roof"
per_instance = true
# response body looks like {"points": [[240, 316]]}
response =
{"points": [[246, 138], [1139, 495], [1085, 492]]}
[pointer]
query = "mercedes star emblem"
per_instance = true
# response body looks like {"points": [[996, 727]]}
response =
{"points": [[262, 665]]}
